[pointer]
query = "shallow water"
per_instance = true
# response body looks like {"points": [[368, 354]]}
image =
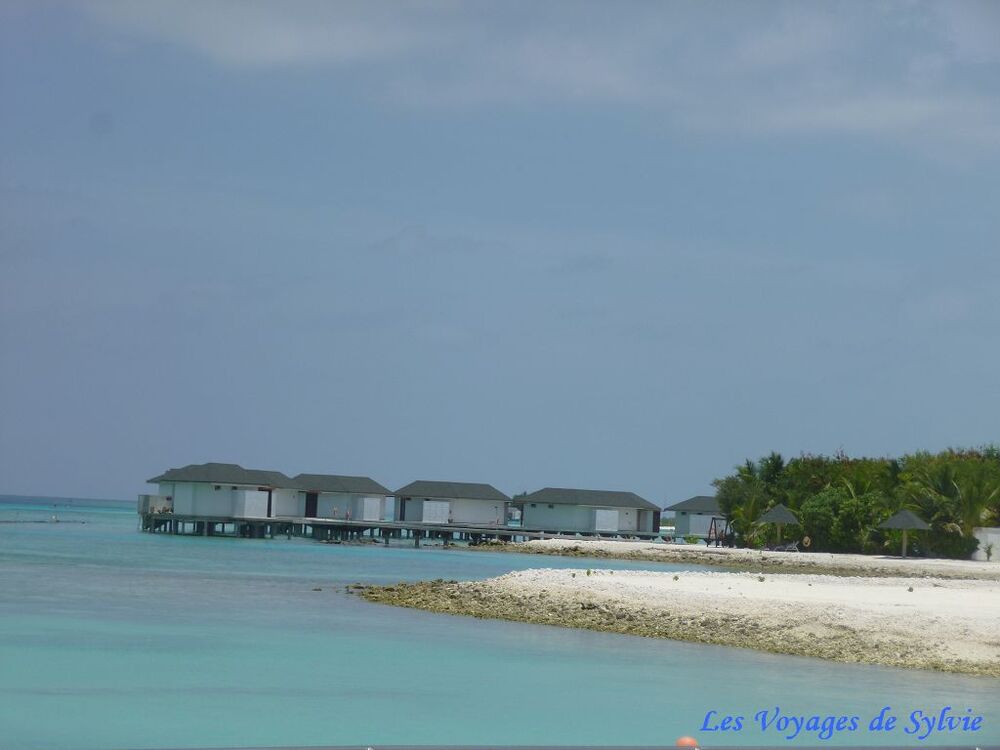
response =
{"points": [[110, 638]]}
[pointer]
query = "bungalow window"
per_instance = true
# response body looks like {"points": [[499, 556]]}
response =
{"points": [[551, 506], [218, 487], [533, 505]]}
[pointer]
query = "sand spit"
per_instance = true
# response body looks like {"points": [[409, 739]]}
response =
{"points": [[757, 560], [948, 625]]}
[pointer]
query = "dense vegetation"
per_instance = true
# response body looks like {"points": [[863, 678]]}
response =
{"points": [[840, 501]]}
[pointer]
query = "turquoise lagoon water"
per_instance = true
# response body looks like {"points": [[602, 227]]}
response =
{"points": [[110, 638]]}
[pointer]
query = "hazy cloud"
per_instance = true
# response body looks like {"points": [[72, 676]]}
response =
{"points": [[906, 69]]}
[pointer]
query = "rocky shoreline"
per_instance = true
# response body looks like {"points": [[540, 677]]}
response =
{"points": [[913, 623]]}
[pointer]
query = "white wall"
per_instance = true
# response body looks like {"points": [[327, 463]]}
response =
{"points": [[461, 510], [558, 517], [628, 519], [209, 501], [987, 535], [436, 511], [202, 499], [335, 505], [693, 523], [199, 499], [371, 508], [605, 519], [249, 503], [290, 503], [183, 495], [484, 512]]}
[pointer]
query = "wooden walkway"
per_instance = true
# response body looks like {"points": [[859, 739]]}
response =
{"points": [[333, 529]]}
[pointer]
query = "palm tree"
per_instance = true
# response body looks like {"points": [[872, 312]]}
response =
{"points": [[975, 495], [961, 502]]}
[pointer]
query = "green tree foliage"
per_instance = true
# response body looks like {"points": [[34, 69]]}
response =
{"points": [[747, 494], [838, 520], [818, 515], [841, 500]]}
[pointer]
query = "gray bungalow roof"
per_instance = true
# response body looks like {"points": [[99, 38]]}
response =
{"points": [[212, 473], [696, 504], [338, 483], [452, 491], [599, 498]]}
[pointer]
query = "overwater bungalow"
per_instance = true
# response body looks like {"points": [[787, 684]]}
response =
{"points": [[466, 503], [217, 498], [339, 497], [215, 490], [695, 516], [595, 511]]}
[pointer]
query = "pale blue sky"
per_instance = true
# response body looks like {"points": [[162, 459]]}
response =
{"points": [[615, 246]]}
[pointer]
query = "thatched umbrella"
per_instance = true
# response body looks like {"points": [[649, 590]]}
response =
{"points": [[905, 520], [779, 515]]}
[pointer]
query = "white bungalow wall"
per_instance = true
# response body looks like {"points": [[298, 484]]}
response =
{"points": [[181, 494], [371, 508], [361, 507], [249, 503], [456, 510], [628, 519], [480, 512], [333, 505], [558, 517], [696, 524], [605, 519], [203, 499], [435, 511], [288, 503], [199, 499]]}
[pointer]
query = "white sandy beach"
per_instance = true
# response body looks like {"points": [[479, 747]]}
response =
{"points": [[955, 620], [865, 565], [930, 623]]}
